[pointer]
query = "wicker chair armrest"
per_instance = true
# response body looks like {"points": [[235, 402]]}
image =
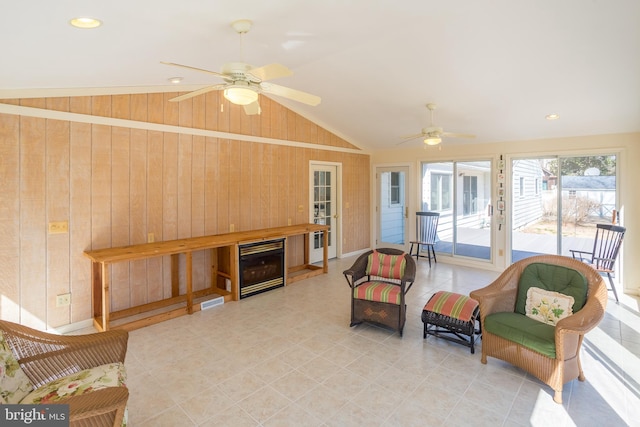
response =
{"points": [[45, 357], [584, 320], [354, 274], [104, 407], [357, 270], [570, 330], [409, 269], [499, 295]]}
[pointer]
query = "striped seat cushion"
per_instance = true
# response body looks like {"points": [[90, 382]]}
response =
{"points": [[453, 305], [378, 291], [387, 266]]}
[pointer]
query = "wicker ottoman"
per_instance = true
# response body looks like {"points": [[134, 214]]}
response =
{"points": [[453, 317]]}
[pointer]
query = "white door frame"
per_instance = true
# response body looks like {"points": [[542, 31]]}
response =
{"points": [[336, 230], [409, 202]]}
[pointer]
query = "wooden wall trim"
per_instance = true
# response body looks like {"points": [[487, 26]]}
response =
{"points": [[134, 124]]}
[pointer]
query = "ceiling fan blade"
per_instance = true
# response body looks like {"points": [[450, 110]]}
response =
{"points": [[412, 136], [252, 109], [215, 73], [269, 72], [458, 135], [409, 138], [296, 95], [197, 92]]}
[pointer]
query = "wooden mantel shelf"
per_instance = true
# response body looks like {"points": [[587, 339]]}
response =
{"points": [[101, 259]]}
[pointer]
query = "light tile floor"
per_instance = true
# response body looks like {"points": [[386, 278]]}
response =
{"points": [[289, 358]]}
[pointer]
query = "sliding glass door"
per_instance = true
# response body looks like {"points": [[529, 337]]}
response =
{"points": [[556, 202], [461, 193]]}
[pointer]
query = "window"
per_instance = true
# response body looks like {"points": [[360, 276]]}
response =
{"points": [[469, 195], [440, 191], [394, 190]]}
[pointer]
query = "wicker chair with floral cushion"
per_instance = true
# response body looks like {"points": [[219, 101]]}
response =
{"points": [[84, 371], [379, 280], [535, 315]]}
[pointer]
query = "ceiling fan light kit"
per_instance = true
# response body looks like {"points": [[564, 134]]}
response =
{"points": [[241, 94], [432, 140], [432, 135], [243, 82]]}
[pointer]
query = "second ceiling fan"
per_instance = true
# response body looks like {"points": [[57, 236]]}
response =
{"points": [[243, 83], [432, 135]]}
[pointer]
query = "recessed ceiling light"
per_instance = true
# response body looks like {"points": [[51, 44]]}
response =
{"points": [[85, 23], [175, 80], [552, 116]]}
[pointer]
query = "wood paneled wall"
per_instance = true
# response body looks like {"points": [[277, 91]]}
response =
{"points": [[116, 184]]}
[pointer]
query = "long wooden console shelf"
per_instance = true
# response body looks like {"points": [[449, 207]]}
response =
{"points": [[222, 247]]}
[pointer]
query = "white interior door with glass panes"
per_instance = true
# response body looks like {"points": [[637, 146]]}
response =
{"points": [[392, 208], [324, 209]]}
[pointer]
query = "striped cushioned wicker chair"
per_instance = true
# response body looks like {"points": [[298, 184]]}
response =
{"points": [[379, 280], [550, 349], [89, 369]]}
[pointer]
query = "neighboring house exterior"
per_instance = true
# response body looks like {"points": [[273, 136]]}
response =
{"points": [[600, 191], [526, 192]]}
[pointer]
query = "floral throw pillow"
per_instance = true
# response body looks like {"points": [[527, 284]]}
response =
{"points": [[14, 383], [109, 375], [547, 306]]}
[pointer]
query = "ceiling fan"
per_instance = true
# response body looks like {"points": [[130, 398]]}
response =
{"points": [[243, 83], [432, 135]]}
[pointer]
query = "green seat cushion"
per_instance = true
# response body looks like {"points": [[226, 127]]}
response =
{"points": [[554, 278], [523, 330]]}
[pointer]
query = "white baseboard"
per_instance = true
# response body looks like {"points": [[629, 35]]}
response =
{"points": [[72, 327], [359, 252]]}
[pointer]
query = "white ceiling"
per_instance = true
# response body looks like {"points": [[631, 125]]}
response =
{"points": [[495, 68]]}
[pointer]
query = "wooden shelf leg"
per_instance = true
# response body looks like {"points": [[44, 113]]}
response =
{"points": [[235, 284], [175, 275], [325, 251], [106, 306], [189, 267]]}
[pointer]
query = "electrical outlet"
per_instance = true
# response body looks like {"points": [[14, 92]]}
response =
{"points": [[232, 227], [59, 227], [63, 300], [151, 238], [289, 221]]}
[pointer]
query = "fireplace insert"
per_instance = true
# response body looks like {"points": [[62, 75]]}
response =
{"points": [[261, 267]]}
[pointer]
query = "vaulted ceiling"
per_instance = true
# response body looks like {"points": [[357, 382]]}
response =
{"points": [[495, 68]]}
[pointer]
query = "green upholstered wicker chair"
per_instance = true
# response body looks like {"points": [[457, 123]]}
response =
{"points": [[37, 365], [379, 281], [549, 352]]}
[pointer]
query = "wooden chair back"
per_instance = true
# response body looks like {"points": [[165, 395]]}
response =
{"points": [[427, 227]]}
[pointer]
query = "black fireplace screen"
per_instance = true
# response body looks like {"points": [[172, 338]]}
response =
{"points": [[261, 267]]}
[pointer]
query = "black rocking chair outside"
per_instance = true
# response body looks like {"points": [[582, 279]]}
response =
{"points": [[605, 251]]}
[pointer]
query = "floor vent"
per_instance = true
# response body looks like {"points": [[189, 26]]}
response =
{"points": [[211, 303]]}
